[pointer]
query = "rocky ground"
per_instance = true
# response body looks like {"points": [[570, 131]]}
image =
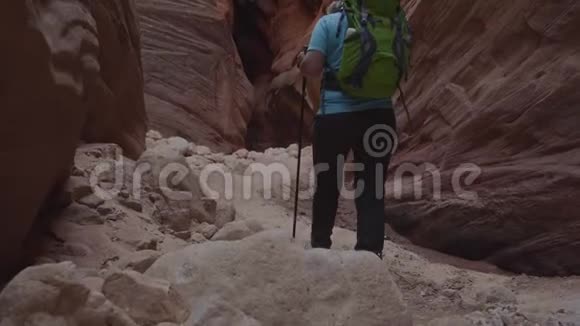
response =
{"points": [[181, 253]]}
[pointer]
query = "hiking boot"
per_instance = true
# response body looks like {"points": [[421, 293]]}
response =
{"points": [[318, 246], [379, 253], [321, 244]]}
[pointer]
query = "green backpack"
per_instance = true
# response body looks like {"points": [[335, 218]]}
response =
{"points": [[376, 51]]}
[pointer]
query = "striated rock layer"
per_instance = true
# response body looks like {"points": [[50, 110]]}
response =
{"points": [[495, 83], [70, 72], [221, 73], [194, 79]]}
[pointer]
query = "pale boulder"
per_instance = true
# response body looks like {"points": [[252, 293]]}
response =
{"points": [[158, 163], [219, 214], [169, 175], [94, 283], [255, 156], [230, 161], [149, 143], [238, 230], [237, 165], [241, 153], [197, 162], [225, 215], [147, 300], [307, 151], [154, 135], [55, 294], [139, 261], [278, 283], [202, 150], [496, 295], [283, 158], [206, 229], [176, 143], [216, 157], [217, 312], [197, 238], [274, 151], [293, 150], [190, 149]]}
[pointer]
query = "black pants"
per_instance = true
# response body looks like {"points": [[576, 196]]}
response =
{"points": [[334, 136]]}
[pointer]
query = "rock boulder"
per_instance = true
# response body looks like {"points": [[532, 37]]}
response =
{"points": [[55, 294], [277, 283]]}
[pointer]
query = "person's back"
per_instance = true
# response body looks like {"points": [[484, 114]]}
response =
{"points": [[342, 124], [328, 38]]}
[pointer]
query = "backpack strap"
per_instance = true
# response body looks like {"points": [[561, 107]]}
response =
{"points": [[368, 49], [342, 16], [408, 40], [398, 44], [402, 42], [364, 12]]}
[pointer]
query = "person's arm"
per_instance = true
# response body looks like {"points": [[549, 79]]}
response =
{"points": [[312, 65]]}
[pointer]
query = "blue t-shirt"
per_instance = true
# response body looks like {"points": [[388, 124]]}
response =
{"points": [[325, 40]]}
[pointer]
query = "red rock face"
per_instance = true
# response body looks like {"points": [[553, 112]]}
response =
{"points": [[495, 83], [116, 107], [70, 71], [221, 74], [194, 79]]}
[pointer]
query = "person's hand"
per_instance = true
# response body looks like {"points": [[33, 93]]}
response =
{"points": [[299, 59]]}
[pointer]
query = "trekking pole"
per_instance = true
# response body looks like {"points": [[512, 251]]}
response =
{"points": [[300, 129], [409, 121]]}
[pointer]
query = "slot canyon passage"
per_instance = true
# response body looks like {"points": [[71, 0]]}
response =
{"points": [[100, 98]]}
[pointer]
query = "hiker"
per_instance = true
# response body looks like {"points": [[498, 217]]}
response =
{"points": [[359, 76]]}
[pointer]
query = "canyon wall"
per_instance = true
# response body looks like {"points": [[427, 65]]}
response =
{"points": [[221, 74], [71, 72], [495, 84], [195, 84]]}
